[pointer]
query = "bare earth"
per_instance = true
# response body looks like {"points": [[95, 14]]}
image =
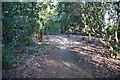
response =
{"points": [[68, 57]]}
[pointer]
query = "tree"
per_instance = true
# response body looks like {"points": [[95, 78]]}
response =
{"points": [[19, 23]]}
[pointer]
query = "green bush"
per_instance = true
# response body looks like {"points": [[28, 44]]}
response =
{"points": [[7, 58]]}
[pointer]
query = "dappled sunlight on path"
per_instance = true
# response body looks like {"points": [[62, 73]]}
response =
{"points": [[94, 54], [59, 56]]}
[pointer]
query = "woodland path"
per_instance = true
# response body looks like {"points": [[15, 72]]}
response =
{"points": [[68, 57]]}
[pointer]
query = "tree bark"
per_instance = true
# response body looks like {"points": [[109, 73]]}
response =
{"points": [[116, 37], [41, 36], [89, 36]]}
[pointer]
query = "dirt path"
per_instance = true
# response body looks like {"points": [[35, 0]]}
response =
{"points": [[68, 57], [71, 63], [83, 59]]}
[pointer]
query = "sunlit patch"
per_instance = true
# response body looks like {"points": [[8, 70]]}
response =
{"points": [[88, 50], [39, 43], [78, 69], [67, 64], [76, 42], [76, 50], [53, 63], [61, 47]]}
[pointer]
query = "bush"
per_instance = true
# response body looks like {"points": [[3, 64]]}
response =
{"points": [[7, 58]]}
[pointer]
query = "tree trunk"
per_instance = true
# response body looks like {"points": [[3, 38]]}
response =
{"points": [[103, 42], [116, 37], [106, 43], [41, 36], [89, 37]]}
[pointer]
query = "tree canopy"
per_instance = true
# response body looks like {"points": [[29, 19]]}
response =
{"points": [[22, 19]]}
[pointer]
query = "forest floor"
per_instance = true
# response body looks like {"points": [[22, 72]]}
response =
{"points": [[60, 56]]}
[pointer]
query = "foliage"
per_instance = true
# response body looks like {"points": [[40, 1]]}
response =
{"points": [[98, 19], [22, 19], [19, 23], [7, 58]]}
